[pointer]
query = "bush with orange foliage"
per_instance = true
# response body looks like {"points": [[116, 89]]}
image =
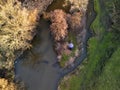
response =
{"points": [[74, 20], [59, 25]]}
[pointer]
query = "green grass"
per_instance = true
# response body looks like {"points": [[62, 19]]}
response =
{"points": [[65, 58], [101, 71], [72, 37], [109, 80]]}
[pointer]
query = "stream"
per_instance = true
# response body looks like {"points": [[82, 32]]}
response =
{"points": [[38, 67]]}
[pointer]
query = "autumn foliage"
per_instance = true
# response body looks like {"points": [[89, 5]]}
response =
{"points": [[5, 85], [16, 29], [76, 5], [74, 21], [59, 25]]}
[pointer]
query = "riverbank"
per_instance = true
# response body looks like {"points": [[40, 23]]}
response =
{"points": [[96, 72], [72, 80]]}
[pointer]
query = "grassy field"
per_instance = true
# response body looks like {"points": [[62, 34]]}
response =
{"points": [[109, 79], [101, 72]]}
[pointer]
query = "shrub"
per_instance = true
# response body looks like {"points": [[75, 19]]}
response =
{"points": [[59, 25], [77, 5], [5, 85], [16, 27], [74, 20]]}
